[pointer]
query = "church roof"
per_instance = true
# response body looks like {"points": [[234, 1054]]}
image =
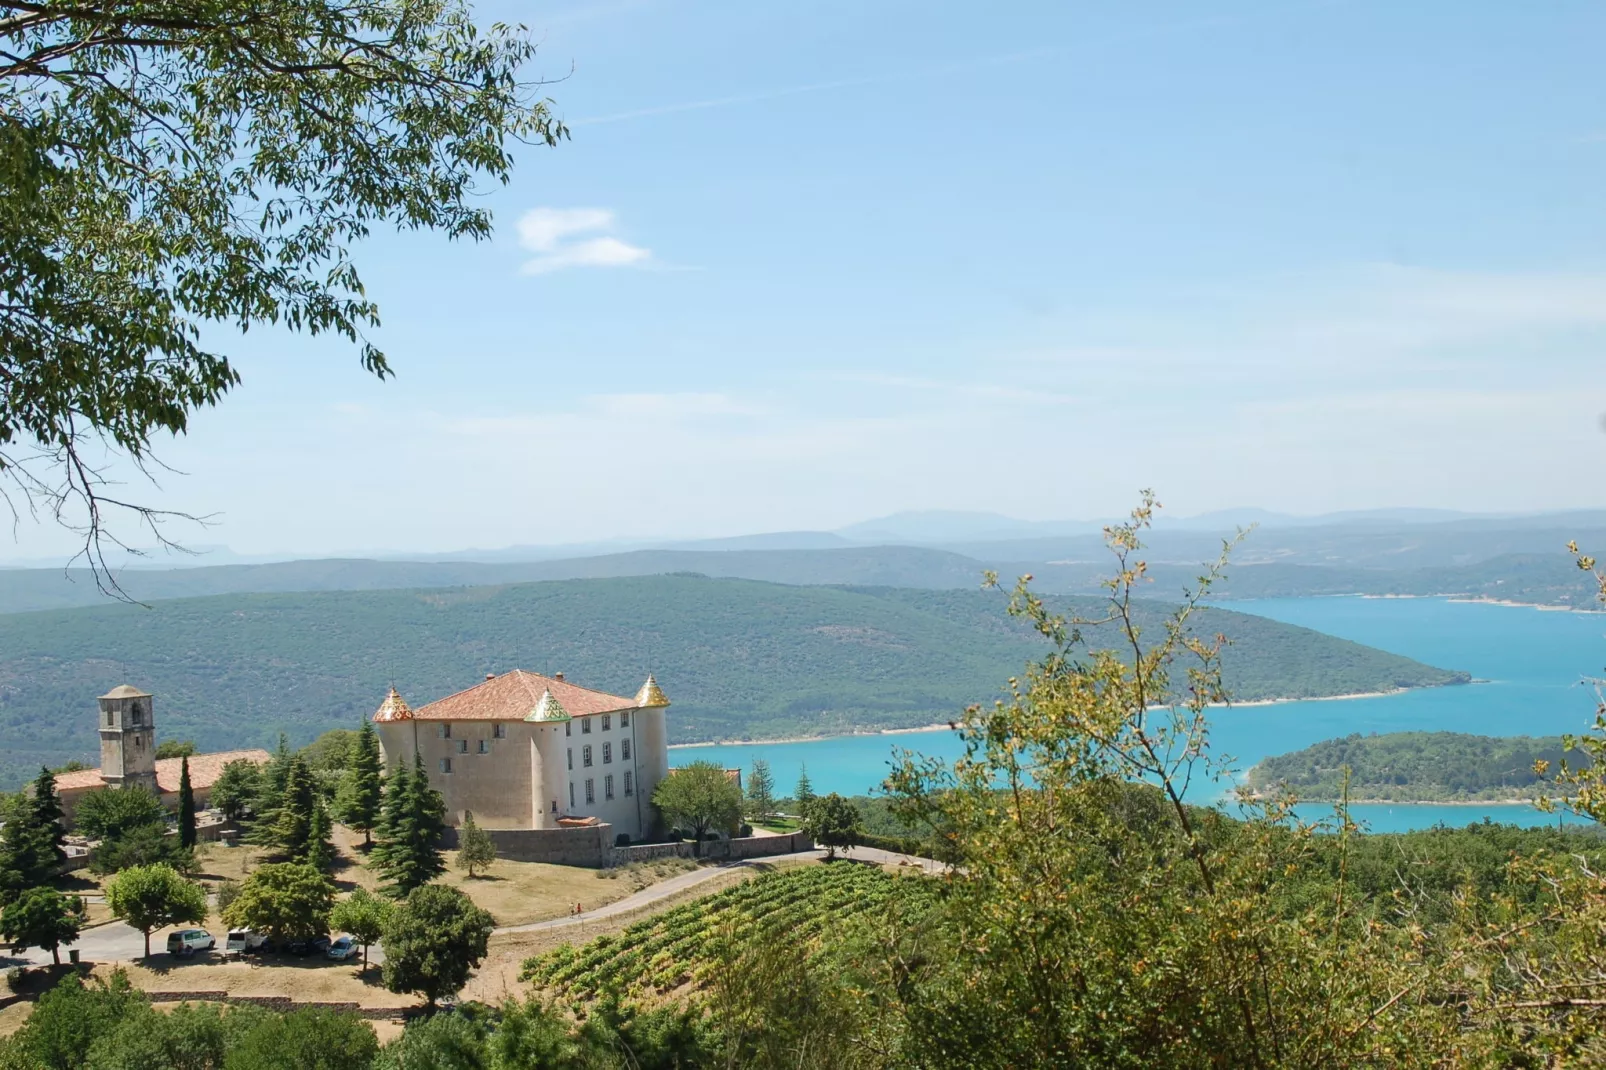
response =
{"points": [[516, 696], [651, 695], [394, 708], [204, 771], [125, 691]]}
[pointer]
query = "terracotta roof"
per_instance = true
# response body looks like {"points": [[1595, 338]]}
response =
{"points": [[394, 708], [515, 695], [125, 691], [651, 695], [204, 771]]}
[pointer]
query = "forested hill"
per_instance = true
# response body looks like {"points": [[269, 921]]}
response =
{"points": [[1415, 767], [739, 658]]}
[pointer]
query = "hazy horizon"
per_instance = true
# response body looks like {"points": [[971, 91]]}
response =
{"points": [[801, 266]]}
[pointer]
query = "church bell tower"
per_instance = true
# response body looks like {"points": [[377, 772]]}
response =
{"points": [[128, 739]]}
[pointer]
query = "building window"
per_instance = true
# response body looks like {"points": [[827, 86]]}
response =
{"points": [[591, 791], [568, 728], [485, 746], [499, 731], [585, 755], [446, 765], [585, 728], [607, 754], [624, 720], [571, 796], [607, 721], [462, 746], [571, 759], [139, 717], [446, 731], [607, 787], [630, 787], [108, 718], [624, 750], [554, 806]]}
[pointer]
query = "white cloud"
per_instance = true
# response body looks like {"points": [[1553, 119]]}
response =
{"points": [[574, 237]]}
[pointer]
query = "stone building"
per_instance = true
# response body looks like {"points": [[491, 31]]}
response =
{"points": [[527, 751], [127, 724]]}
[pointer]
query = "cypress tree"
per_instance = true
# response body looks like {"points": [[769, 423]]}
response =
{"points": [[390, 815], [360, 798], [186, 805], [409, 855]]}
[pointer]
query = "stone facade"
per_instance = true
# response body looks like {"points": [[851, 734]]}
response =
{"points": [[526, 752]]}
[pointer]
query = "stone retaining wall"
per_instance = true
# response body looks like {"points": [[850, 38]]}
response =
{"points": [[279, 1004], [718, 850]]}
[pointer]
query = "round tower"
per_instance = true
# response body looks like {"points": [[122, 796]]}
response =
{"points": [[549, 768], [398, 733], [652, 742], [128, 739]]}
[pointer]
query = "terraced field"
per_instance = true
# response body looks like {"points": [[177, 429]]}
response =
{"points": [[681, 947]]}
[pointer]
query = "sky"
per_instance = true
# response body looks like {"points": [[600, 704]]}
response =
{"points": [[805, 263]]}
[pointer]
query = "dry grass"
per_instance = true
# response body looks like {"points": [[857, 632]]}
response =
{"points": [[12, 1017], [312, 978]]}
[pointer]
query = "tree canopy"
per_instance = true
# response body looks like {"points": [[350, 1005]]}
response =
{"points": [[832, 822], [408, 853], [285, 900], [187, 162], [109, 813], [699, 798], [43, 918], [434, 941], [150, 897]]}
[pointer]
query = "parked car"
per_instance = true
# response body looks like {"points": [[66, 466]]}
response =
{"points": [[246, 942], [315, 945], [187, 942], [344, 948]]}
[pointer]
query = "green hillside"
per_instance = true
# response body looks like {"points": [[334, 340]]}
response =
{"points": [[1415, 767], [739, 658]]}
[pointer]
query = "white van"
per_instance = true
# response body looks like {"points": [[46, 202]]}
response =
{"points": [[187, 942], [245, 942]]}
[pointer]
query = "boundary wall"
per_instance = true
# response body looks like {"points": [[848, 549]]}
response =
{"points": [[592, 845]]}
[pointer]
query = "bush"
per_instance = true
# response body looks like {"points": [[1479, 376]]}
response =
{"points": [[227, 892], [745, 830], [622, 840]]}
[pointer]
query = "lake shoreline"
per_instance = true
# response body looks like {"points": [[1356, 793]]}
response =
{"points": [[949, 725]]}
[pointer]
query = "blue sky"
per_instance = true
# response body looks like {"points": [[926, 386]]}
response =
{"points": [[805, 263]]}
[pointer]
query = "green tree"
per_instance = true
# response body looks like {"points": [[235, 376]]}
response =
{"points": [[187, 1037], [475, 848], [361, 788], [760, 790], [699, 798], [150, 897], [284, 900], [186, 806], [108, 813], [172, 167], [434, 942], [805, 790], [439, 1042], [365, 916], [143, 845], [30, 844], [175, 748], [310, 1039], [69, 1019], [272, 781], [833, 822], [320, 849], [408, 853], [237, 788], [43, 918], [292, 823], [330, 752]]}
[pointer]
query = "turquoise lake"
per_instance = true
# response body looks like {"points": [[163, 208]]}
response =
{"points": [[1531, 669]]}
